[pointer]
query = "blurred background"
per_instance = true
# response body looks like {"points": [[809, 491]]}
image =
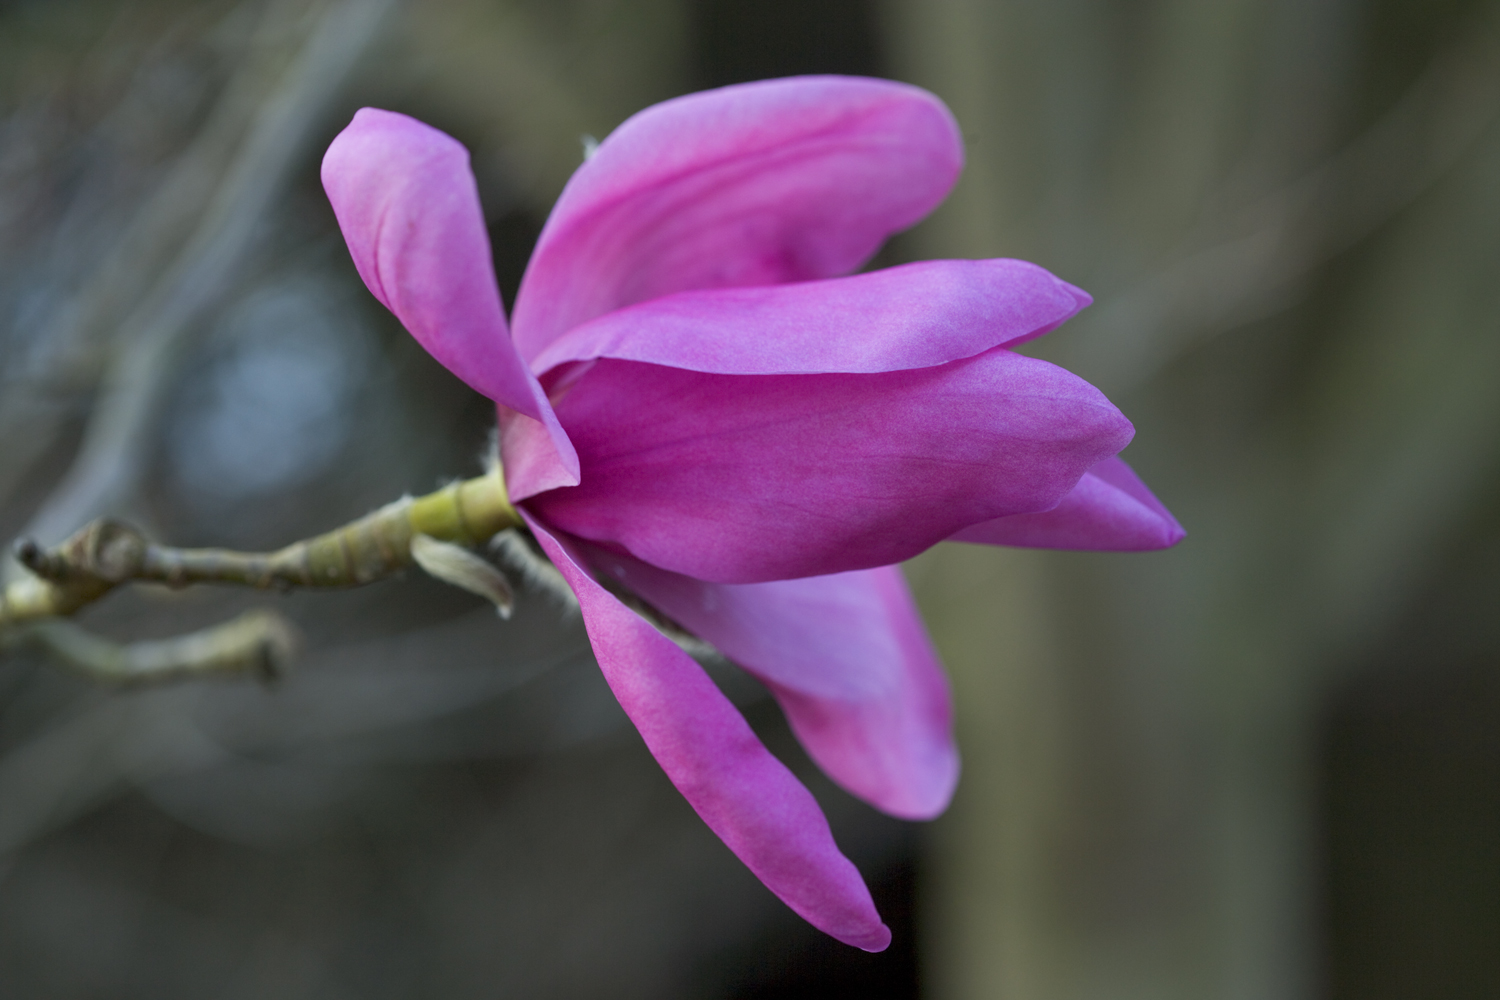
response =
{"points": [[1264, 765]]}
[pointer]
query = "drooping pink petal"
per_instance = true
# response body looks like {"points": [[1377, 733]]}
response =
{"points": [[747, 478], [409, 209], [849, 661], [914, 316], [754, 184], [745, 795], [1110, 510]]}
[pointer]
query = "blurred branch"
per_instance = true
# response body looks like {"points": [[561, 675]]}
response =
{"points": [[1234, 279], [259, 643], [79, 335], [152, 334], [344, 708]]}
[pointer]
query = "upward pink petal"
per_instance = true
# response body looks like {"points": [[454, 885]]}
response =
{"points": [[755, 184], [914, 316], [847, 658], [410, 213], [745, 795], [748, 478]]}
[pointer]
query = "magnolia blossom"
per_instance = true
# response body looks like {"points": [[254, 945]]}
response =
{"points": [[697, 399]]}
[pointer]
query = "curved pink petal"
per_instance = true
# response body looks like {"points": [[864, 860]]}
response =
{"points": [[754, 184], [1110, 510], [409, 209], [849, 661], [745, 795], [747, 478], [913, 316]]}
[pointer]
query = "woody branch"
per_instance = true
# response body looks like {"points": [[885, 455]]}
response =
{"points": [[436, 531]]}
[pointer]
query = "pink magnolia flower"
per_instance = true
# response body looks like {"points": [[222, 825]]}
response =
{"points": [[697, 400]]}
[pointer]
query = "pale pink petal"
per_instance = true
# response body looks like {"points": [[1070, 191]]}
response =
{"points": [[914, 316], [849, 661], [1110, 510], [755, 184], [409, 209], [747, 478], [745, 795]]}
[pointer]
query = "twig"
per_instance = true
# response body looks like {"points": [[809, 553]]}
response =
{"points": [[259, 643], [105, 554]]}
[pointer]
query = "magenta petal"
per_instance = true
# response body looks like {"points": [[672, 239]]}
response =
{"points": [[849, 661], [754, 184], [1110, 510], [914, 316], [747, 478], [745, 795], [409, 209]]}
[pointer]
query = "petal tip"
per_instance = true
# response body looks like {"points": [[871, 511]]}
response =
{"points": [[873, 941], [928, 806], [1082, 298], [395, 134]]}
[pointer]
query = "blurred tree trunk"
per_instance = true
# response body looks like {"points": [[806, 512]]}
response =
{"points": [[1268, 201], [1099, 847]]}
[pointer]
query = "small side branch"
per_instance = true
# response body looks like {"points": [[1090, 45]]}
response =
{"points": [[258, 643]]}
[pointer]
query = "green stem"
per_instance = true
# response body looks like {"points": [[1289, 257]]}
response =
{"points": [[106, 553]]}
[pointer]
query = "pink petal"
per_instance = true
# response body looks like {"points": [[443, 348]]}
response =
{"points": [[747, 478], [847, 658], [1110, 510], [914, 316], [745, 795], [755, 184], [410, 213]]}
